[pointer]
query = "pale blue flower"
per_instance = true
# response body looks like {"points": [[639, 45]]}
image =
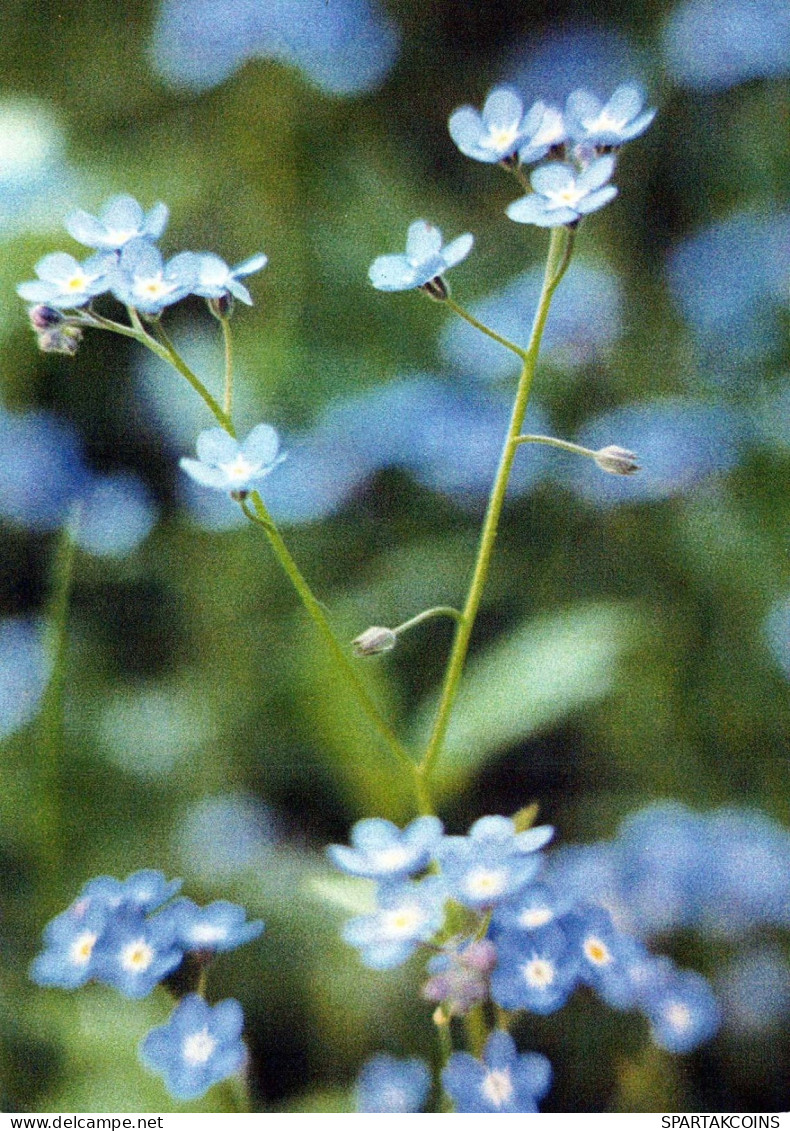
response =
{"points": [[591, 122], [425, 259], [497, 132], [199, 1046], [389, 1085], [121, 219], [219, 926], [226, 465], [65, 283], [562, 194], [544, 129], [215, 278], [383, 851], [503, 1081], [408, 914], [683, 1012], [134, 953], [144, 281], [712, 45]]}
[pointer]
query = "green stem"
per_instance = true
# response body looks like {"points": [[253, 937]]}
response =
{"points": [[557, 261], [261, 517], [50, 727], [553, 442], [227, 337], [445, 1052], [427, 614], [481, 326]]}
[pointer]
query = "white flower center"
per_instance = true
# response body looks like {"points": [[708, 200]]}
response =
{"points": [[82, 948], [503, 137], [567, 197], [605, 123], [597, 951], [239, 468], [137, 956], [402, 922], [678, 1015], [497, 1087], [120, 236], [198, 1047], [539, 972], [394, 857], [207, 933], [534, 917], [486, 883]]}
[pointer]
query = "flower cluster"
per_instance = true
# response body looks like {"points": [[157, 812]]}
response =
{"points": [[133, 934], [498, 930], [127, 264]]}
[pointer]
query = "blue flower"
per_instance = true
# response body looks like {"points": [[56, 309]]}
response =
{"points": [[711, 45], [612, 123], [388, 1085], [218, 927], [383, 851], [134, 954], [226, 465], [536, 970], [408, 914], [562, 194], [199, 1046], [144, 281], [121, 220], [145, 890], [544, 130], [65, 283], [683, 1012], [492, 863], [215, 278], [534, 907], [424, 260], [497, 133], [505, 1081], [115, 515], [68, 957], [24, 672], [42, 469], [605, 959]]}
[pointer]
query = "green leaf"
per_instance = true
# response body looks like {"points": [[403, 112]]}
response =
{"points": [[528, 681]]}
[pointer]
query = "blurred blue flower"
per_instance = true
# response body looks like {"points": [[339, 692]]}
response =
{"points": [[715, 44], [67, 960], [603, 952], [133, 953], [225, 833], [594, 56], [24, 671], [544, 130], [120, 220], [408, 914], [215, 278], [219, 926], [536, 970], [425, 259], [736, 321], [680, 444], [498, 131], [227, 465], [683, 1012], [345, 48], [199, 1046], [504, 1081], [747, 879], [144, 281], [41, 469], [383, 851], [116, 514], [534, 907], [36, 184], [65, 283], [562, 194], [585, 320], [390, 1085], [591, 122], [493, 862], [145, 890], [754, 991]]}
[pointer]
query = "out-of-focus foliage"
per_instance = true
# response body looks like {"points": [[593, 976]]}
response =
{"points": [[633, 642]]}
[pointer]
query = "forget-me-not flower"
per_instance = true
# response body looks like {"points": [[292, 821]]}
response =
{"points": [[227, 465], [380, 850], [121, 220], [135, 953], [408, 914], [67, 960], [199, 1046], [492, 863], [544, 130], [504, 1081], [496, 133], [536, 970], [144, 281], [612, 123], [145, 890], [425, 259], [683, 1012], [562, 194], [217, 927], [65, 283], [215, 278], [389, 1085]]}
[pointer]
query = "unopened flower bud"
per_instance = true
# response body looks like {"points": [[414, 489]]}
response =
{"points": [[480, 956], [436, 288], [374, 640], [43, 317], [615, 460], [60, 339]]}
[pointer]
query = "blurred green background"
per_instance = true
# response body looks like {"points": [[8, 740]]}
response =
{"points": [[627, 650]]}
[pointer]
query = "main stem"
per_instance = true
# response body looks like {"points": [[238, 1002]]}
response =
{"points": [[557, 261]]}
